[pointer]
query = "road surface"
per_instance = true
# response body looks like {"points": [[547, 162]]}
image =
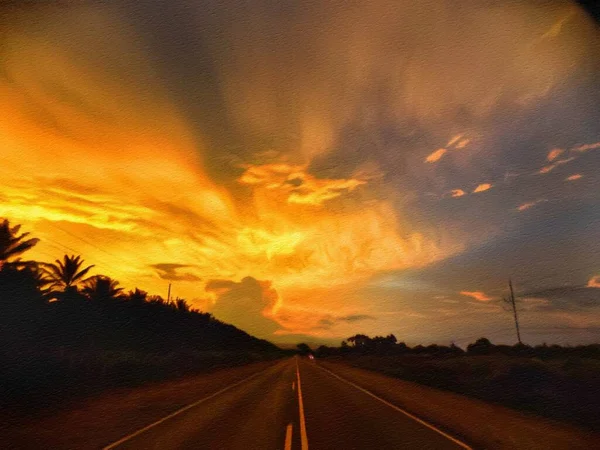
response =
{"points": [[294, 404]]}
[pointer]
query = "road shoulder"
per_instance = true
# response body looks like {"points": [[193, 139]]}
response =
{"points": [[106, 418], [482, 424]]}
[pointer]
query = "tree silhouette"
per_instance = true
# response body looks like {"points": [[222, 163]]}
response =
{"points": [[102, 289], [12, 245], [181, 304], [481, 346], [137, 297], [359, 340], [66, 275], [304, 349]]}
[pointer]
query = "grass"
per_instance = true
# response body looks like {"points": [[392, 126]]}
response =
{"points": [[566, 389], [33, 380]]}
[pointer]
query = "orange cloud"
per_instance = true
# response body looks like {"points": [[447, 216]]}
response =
{"points": [[436, 156], [528, 205], [299, 186], [594, 282], [454, 140], [586, 147], [477, 295], [577, 176], [457, 193], [482, 187], [462, 143], [551, 167], [554, 153]]}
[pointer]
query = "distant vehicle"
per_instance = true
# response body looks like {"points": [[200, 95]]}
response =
{"points": [[311, 356]]}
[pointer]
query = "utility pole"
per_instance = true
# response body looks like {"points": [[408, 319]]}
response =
{"points": [[513, 304], [169, 294]]}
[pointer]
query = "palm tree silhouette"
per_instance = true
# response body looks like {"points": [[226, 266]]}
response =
{"points": [[181, 304], [66, 275], [12, 245], [102, 288], [137, 297]]}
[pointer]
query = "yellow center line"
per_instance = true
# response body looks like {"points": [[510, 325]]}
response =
{"points": [[288, 437], [303, 437]]}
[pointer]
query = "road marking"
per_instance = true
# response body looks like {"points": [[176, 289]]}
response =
{"points": [[391, 405], [293, 385], [288, 437], [179, 411], [303, 437]]}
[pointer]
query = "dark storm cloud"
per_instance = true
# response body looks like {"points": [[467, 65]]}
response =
{"points": [[330, 321], [250, 77], [246, 304], [563, 298], [169, 272], [285, 52]]}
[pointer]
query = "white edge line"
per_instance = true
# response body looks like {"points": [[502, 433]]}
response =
{"points": [[303, 436], [391, 405], [179, 411]]}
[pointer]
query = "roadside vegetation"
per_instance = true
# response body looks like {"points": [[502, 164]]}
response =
{"points": [[558, 382], [66, 333]]}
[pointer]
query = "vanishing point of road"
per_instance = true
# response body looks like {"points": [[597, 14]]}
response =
{"points": [[295, 404]]}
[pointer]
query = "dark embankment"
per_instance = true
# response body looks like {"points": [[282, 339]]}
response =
{"points": [[561, 383]]}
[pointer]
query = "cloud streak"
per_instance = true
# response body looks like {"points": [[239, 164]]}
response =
{"points": [[477, 295], [436, 155], [482, 187], [528, 205], [594, 282]]}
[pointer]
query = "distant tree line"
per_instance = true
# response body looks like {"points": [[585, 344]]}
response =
{"points": [[361, 344]]}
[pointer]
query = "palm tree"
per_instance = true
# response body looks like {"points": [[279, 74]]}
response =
{"points": [[66, 275], [102, 288], [180, 304], [137, 297], [12, 245]]}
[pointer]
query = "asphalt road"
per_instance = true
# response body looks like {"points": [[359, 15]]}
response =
{"points": [[295, 404]]}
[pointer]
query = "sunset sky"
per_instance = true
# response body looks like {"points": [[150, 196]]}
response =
{"points": [[314, 171]]}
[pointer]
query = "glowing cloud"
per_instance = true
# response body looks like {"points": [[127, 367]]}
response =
{"points": [[528, 205], [482, 187], [454, 140], [594, 282], [549, 168], [462, 143], [457, 193], [577, 176], [586, 147], [436, 156], [554, 153], [299, 186], [477, 295]]}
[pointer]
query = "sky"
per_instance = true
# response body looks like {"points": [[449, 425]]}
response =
{"points": [[312, 170]]}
